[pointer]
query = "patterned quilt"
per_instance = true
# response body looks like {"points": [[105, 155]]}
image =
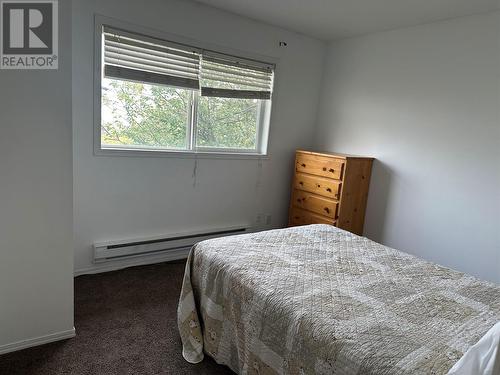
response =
{"points": [[319, 300]]}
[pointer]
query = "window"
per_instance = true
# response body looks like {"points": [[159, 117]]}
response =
{"points": [[157, 95]]}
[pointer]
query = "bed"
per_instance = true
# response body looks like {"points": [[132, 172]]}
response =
{"points": [[319, 300]]}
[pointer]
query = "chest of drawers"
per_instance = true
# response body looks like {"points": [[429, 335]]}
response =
{"points": [[330, 188]]}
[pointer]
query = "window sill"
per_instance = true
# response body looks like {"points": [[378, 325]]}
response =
{"points": [[179, 154]]}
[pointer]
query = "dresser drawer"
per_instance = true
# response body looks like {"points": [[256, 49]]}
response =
{"points": [[319, 165], [303, 217], [318, 185], [314, 203]]}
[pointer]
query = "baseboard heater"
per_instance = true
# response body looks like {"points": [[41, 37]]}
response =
{"points": [[177, 244]]}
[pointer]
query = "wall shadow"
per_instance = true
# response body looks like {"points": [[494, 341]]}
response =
{"points": [[378, 202]]}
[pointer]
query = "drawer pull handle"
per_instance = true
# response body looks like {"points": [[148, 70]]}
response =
{"points": [[329, 190], [331, 170], [301, 183], [303, 165], [327, 210]]}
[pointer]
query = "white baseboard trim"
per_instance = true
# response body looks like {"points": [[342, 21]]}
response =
{"points": [[28, 343], [132, 262]]}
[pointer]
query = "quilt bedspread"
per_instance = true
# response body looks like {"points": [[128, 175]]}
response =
{"points": [[319, 300]]}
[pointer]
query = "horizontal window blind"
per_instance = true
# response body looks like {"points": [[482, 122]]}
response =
{"points": [[231, 77], [138, 58]]}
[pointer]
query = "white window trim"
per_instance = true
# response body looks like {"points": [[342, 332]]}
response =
{"points": [[261, 151]]}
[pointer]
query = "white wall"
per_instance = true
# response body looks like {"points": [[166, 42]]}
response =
{"points": [[425, 102], [36, 249], [127, 197]]}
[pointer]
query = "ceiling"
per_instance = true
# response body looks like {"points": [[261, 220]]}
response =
{"points": [[335, 19]]}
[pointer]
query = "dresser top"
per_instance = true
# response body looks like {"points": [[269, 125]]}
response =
{"points": [[336, 155]]}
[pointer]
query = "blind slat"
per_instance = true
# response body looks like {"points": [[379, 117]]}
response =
{"points": [[152, 43], [235, 94], [219, 58], [152, 69], [241, 73], [128, 74], [141, 61], [212, 78], [157, 50], [155, 54]]}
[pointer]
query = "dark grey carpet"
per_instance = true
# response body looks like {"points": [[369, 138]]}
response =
{"points": [[125, 323]]}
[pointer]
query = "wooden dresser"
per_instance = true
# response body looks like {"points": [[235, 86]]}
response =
{"points": [[330, 189]]}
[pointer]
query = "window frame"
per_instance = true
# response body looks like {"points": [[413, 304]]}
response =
{"points": [[262, 131]]}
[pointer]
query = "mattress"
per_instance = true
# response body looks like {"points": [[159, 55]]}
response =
{"points": [[319, 300]]}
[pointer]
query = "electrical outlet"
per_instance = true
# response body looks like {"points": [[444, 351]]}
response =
{"points": [[267, 218], [259, 219]]}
